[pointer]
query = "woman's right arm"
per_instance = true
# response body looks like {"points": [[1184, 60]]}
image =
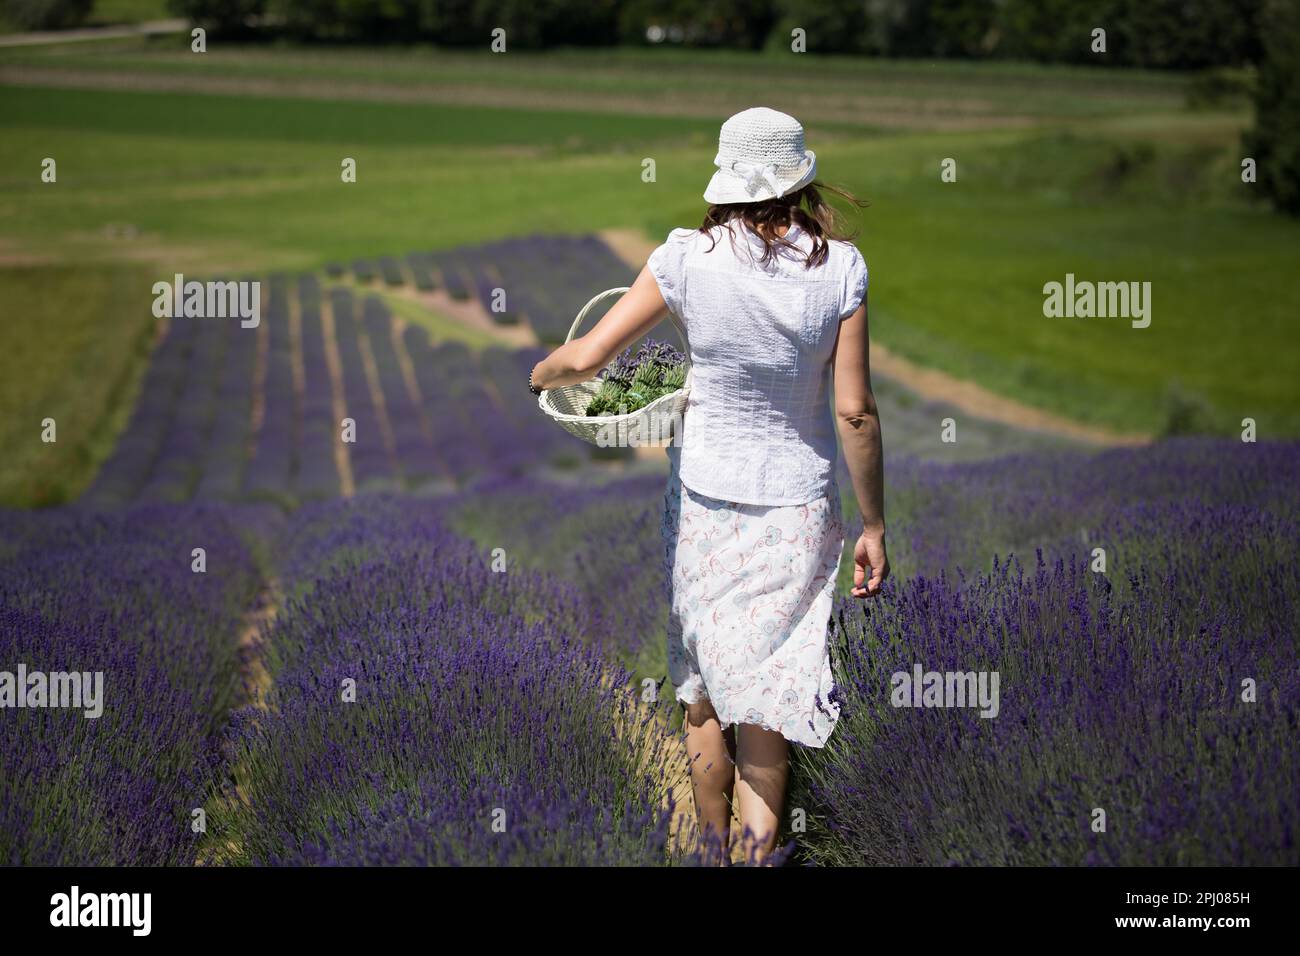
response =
{"points": [[858, 422]]}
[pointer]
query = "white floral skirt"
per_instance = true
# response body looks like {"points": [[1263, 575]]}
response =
{"points": [[750, 594]]}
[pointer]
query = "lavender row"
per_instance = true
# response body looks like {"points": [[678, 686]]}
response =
{"points": [[221, 470], [117, 594], [602, 540], [469, 739], [546, 278], [319, 437], [499, 444], [371, 464], [270, 468], [420, 265], [507, 372], [416, 456], [175, 472], [391, 270], [482, 430], [127, 469], [1059, 500], [556, 275], [460, 430], [451, 267]]}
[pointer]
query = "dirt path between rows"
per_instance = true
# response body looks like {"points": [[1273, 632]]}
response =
{"points": [[254, 687], [468, 312], [929, 383], [334, 364], [254, 678]]}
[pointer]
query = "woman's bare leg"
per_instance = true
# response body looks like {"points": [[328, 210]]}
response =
{"points": [[712, 752], [764, 765]]}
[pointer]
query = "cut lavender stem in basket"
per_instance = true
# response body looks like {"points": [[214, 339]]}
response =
{"points": [[635, 379]]}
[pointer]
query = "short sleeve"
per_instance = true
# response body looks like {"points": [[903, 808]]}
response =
{"points": [[855, 283], [667, 265]]}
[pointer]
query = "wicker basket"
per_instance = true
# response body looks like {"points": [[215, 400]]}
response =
{"points": [[655, 425]]}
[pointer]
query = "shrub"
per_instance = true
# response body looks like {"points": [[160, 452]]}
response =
{"points": [[46, 14], [1188, 413]]}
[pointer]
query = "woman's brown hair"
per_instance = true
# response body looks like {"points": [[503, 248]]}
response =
{"points": [[804, 207]]}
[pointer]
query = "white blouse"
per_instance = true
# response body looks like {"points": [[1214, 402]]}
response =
{"points": [[758, 425]]}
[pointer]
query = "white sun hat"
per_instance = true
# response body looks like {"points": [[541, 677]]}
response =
{"points": [[760, 156]]}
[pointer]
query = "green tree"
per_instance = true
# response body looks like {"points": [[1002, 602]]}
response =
{"points": [[830, 26], [1183, 34], [962, 27], [1274, 142], [227, 16], [1053, 31]]}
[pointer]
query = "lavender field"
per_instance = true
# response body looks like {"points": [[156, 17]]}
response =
{"points": [[442, 642], [544, 276], [229, 413], [1121, 690]]}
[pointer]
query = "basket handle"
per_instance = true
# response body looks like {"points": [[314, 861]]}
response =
{"points": [[610, 293]]}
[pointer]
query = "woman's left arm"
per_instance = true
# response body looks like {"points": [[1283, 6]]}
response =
{"points": [[639, 310]]}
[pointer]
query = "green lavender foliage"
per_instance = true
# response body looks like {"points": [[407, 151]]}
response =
{"points": [[607, 399], [633, 381]]}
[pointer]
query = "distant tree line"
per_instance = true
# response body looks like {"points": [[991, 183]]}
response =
{"points": [[1155, 33], [1187, 34]]}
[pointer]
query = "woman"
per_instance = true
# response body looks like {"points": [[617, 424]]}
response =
{"points": [[773, 299]]}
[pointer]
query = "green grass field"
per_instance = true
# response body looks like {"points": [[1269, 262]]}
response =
{"points": [[78, 369], [229, 161]]}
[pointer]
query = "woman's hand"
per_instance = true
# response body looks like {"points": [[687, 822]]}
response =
{"points": [[869, 555], [858, 421]]}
